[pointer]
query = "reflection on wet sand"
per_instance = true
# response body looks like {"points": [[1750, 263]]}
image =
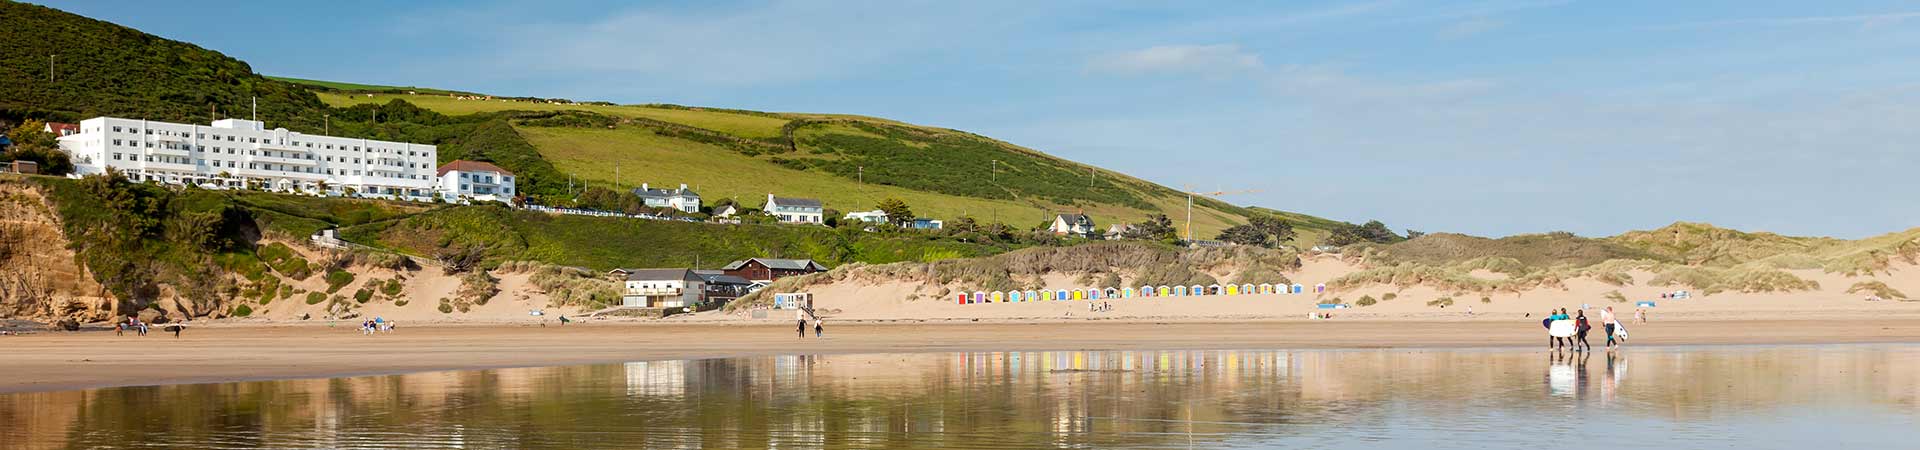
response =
{"points": [[1011, 399]]}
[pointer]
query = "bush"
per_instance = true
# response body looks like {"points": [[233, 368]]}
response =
{"points": [[363, 295], [446, 308], [400, 302], [1616, 297], [314, 298], [1388, 296], [1366, 300], [1441, 302], [391, 288], [1486, 299], [1877, 289], [337, 279], [242, 311]]}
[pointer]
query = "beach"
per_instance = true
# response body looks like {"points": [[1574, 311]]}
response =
{"points": [[50, 361]]}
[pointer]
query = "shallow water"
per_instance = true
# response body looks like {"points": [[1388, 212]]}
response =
{"points": [[1853, 396]]}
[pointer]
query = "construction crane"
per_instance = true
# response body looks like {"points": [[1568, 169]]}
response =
{"points": [[1216, 193]]}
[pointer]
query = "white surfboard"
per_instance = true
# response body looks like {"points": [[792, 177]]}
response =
{"points": [[1620, 332], [1560, 328]]}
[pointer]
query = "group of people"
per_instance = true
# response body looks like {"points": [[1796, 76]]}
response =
{"points": [[376, 325], [819, 327], [1577, 339], [132, 323]]}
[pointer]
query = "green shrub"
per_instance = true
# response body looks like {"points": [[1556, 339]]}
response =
{"points": [[1441, 302], [242, 310], [1486, 299], [1388, 296], [314, 298], [446, 308], [400, 302], [363, 295], [337, 279], [1366, 300], [1616, 297], [391, 288]]}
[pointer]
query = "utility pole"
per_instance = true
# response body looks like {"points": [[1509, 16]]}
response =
{"points": [[256, 108], [50, 68], [326, 121], [994, 172], [861, 172], [1090, 177]]}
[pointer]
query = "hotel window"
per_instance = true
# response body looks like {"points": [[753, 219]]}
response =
{"points": [[116, 142], [116, 156], [253, 140], [116, 129]]}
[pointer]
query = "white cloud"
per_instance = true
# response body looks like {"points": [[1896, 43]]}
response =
{"points": [[1212, 60]]}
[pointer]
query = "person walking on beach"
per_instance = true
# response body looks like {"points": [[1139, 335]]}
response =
{"points": [[1607, 324], [803, 328], [1580, 327], [818, 327]]}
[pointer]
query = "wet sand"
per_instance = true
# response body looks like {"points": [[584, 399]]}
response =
{"points": [[60, 361]]}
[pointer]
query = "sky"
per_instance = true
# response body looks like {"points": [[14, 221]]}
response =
{"points": [[1482, 117]]}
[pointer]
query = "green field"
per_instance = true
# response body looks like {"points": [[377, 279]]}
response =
{"points": [[644, 156], [743, 125]]}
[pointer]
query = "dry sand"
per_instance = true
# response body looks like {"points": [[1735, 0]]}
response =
{"points": [[59, 361]]}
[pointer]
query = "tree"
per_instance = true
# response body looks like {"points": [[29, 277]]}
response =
{"points": [[1266, 232], [31, 142], [897, 211], [1373, 231], [1414, 234], [1157, 227]]}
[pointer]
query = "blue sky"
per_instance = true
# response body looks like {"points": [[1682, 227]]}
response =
{"points": [[1482, 117]]}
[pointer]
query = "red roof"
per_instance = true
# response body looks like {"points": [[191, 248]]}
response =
{"points": [[471, 166], [62, 129]]}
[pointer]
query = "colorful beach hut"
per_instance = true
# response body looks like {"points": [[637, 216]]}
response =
{"points": [[1046, 295], [1215, 289], [1179, 291], [1062, 295], [1163, 291], [1297, 288], [1197, 290], [1233, 290], [1079, 294], [1013, 296], [998, 297], [979, 297], [1110, 293], [1246, 289], [1320, 288], [1266, 288], [1126, 293], [963, 298], [1032, 296]]}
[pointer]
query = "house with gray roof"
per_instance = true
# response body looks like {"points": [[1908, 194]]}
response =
{"points": [[682, 199], [1073, 225], [663, 288], [769, 269], [795, 210]]}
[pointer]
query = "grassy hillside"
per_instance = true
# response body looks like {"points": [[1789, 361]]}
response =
{"points": [[605, 243], [100, 68], [340, 86], [849, 162]]}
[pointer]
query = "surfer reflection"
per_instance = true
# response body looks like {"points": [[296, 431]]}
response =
{"points": [[1610, 380], [1560, 374]]}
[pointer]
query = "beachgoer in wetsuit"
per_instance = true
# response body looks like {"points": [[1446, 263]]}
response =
{"points": [[803, 328], [817, 328], [1607, 324], [1580, 328]]}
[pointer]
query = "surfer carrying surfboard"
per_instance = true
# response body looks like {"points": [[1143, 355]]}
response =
{"points": [[1559, 329], [1607, 324]]}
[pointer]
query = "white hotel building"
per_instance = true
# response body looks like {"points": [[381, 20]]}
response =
{"points": [[233, 152]]}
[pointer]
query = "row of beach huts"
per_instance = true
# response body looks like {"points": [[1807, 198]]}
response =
{"points": [[1017, 296]]}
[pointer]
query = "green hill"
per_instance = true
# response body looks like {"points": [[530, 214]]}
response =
{"points": [[557, 146]]}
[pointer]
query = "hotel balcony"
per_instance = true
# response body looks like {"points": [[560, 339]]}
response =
{"points": [[161, 149], [280, 160], [282, 147], [655, 292]]}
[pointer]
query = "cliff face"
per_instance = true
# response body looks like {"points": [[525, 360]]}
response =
{"points": [[39, 277]]}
